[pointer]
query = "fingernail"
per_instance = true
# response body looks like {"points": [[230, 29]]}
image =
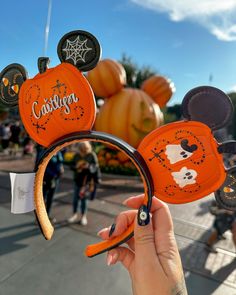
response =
{"points": [[143, 216], [101, 231], [113, 227], [109, 259], [124, 202]]}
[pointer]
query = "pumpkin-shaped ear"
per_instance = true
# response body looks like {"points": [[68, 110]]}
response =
{"points": [[80, 49], [226, 194], [208, 105], [11, 79]]}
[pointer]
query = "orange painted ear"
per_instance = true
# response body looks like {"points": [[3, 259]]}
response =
{"points": [[56, 103], [79, 48], [11, 79], [183, 160]]}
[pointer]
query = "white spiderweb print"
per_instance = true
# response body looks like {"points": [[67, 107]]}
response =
{"points": [[76, 50]]}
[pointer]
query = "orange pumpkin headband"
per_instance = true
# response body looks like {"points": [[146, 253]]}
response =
{"points": [[179, 162]]}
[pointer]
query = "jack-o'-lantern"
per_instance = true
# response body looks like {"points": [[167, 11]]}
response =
{"points": [[130, 114]]}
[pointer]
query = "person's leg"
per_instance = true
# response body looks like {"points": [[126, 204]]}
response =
{"points": [[50, 195], [75, 198], [234, 233], [83, 206], [213, 238], [93, 193], [74, 217], [83, 209]]}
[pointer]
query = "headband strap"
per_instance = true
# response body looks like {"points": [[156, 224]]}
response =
{"points": [[40, 210]]}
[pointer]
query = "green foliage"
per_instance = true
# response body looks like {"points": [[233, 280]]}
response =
{"points": [[135, 75], [172, 113], [232, 127]]}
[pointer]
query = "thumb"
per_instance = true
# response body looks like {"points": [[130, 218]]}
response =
{"points": [[145, 250]]}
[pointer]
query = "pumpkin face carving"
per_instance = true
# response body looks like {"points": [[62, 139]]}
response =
{"points": [[138, 112], [58, 97]]}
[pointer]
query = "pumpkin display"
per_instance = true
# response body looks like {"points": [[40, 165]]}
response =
{"points": [[122, 157], [130, 115], [107, 78], [115, 162], [159, 88]]}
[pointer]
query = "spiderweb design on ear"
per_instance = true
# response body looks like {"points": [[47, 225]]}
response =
{"points": [[80, 49]]}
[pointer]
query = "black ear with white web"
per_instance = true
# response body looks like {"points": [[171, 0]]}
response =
{"points": [[208, 105], [226, 194], [11, 79], [80, 49]]}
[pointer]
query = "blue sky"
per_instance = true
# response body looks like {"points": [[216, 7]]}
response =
{"points": [[185, 41]]}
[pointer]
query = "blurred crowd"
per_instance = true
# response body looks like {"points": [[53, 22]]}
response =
{"points": [[14, 140]]}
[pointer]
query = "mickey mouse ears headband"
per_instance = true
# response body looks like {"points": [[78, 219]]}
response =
{"points": [[179, 162]]}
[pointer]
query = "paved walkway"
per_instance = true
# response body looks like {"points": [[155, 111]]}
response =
{"points": [[59, 267]]}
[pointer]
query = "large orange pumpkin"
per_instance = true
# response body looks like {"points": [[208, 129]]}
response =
{"points": [[159, 88], [107, 78], [56, 103], [130, 115]]}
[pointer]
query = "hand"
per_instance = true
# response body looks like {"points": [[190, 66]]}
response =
{"points": [[152, 257], [62, 170]]}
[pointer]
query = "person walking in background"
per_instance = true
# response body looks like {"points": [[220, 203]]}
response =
{"points": [[6, 134], [28, 146], [15, 138], [51, 178], [224, 220], [86, 176]]}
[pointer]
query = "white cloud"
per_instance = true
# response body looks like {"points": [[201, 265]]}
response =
{"points": [[217, 16], [233, 88]]}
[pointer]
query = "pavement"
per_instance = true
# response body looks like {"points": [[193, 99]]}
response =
{"points": [[32, 265]]}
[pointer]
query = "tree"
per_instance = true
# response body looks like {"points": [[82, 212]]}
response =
{"points": [[232, 126], [172, 113], [135, 74]]}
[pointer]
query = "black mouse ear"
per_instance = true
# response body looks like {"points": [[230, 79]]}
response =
{"points": [[80, 49], [11, 79], [226, 194], [208, 105]]}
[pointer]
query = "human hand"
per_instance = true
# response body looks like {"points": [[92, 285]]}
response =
{"points": [[152, 257]]}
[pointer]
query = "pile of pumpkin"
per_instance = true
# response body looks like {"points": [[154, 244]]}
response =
{"points": [[115, 162], [127, 113]]}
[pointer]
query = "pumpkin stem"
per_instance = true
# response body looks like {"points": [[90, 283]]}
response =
{"points": [[43, 63]]}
